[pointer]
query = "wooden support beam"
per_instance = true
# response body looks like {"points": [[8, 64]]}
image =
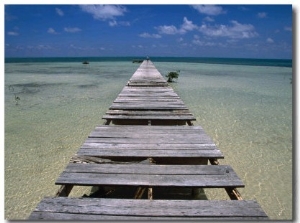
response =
{"points": [[107, 122], [214, 161], [64, 191], [150, 193], [189, 123], [139, 192], [233, 193]]}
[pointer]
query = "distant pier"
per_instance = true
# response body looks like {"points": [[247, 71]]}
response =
{"points": [[146, 149]]}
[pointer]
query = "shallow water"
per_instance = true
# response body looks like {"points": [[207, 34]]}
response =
{"points": [[247, 110]]}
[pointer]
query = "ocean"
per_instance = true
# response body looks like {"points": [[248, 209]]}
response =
{"points": [[244, 105]]}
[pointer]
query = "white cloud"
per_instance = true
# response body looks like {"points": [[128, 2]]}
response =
{"points": [[235, 31], [203, 43], [187, 26], [72, 30], [43, 47], [269, 40], [51, 31], [288, 28], [72, 46], [147, 35], [112, 23], [59, 12], [209, 9], [170, 30], [199, 42], [121, 23], [208, 19], [13, 33], [39, 47], [262, 15], [104, 12]]}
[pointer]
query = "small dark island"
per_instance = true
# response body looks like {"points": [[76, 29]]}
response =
{"points": [[137, 61], [85, 62]]}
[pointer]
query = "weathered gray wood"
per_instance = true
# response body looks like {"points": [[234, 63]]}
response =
{"points": [[150, 153], [144, 92], [145, 99], [150, 169], [150, 106], [136, 117], [147, 75], [150, 128], [89, 144], [141, 209], [149, 134], [64, 191], [194, 136], [149, 141], [86, 217], [145, 140], [233, 193], [162, 180], [148, 113], [150, 175]]}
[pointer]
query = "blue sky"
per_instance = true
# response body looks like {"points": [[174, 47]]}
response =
{"points": [[238, 31]]}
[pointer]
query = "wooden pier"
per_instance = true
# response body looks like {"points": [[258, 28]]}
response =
{"points": [[151, 149]]}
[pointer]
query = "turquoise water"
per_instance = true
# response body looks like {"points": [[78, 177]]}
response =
{"points": [[209, 60], [246, 109]]}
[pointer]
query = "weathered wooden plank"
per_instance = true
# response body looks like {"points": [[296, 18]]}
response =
{"points": [[148, 89], [146, 140], [150, 169], [148, 93], [170, 139], [151, 153], [45, 215], [144, 132], [143, 99], [168, 91], [150, 146], [150, 175], [150, 104], [150, 128], [97, 209], [149, 113], [138, 117], [149, 134], [95, 179], [134, 134], [146, 107], [155, 149], [146, 84]]}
